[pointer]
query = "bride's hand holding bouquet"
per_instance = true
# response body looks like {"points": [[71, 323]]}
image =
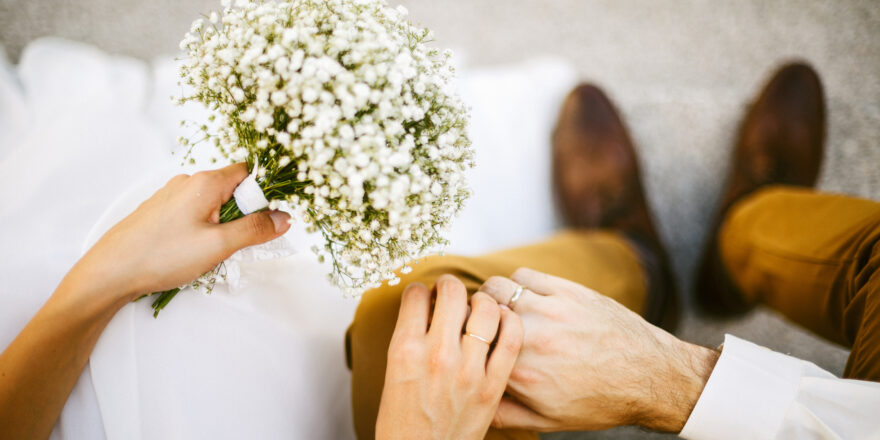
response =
{"points": [[345, 117], [147, 251], [151, 251]]}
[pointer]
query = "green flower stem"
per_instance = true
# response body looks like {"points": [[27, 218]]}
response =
{"points": [[163, 299]]}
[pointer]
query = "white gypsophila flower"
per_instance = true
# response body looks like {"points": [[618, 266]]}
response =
{"points": [[349, 117]]}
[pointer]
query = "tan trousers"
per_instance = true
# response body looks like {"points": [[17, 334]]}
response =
{"points": [[814, 257]]}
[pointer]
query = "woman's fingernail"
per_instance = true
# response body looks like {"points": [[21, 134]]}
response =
{"points": [[504, 306], [281, 220]]}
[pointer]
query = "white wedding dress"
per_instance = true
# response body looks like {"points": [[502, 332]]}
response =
{"points": [[85, 137]]}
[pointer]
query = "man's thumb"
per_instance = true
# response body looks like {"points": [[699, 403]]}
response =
{"points": [[255, 228]]}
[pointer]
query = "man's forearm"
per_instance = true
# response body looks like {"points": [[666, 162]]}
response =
{"points": [[40, 367]]}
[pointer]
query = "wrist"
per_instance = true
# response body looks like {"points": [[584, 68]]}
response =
{"points": [[95, 288], [677, 385], [119, 277]]}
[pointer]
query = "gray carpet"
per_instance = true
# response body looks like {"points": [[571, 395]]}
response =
{"points": [[681, 71]]}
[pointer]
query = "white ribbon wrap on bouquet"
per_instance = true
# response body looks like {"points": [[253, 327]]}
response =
{"points": [[249, 196]]}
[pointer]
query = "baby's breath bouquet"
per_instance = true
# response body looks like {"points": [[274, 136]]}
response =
{"points": [[345, 116]]}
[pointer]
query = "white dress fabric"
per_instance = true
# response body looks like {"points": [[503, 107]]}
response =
{"points": [[84, 137]]}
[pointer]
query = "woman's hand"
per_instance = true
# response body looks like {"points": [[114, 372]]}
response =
{"points": [[174, 237], [169, 240], [588, 363], [440, 383]]}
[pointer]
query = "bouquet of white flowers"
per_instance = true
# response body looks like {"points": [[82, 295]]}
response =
{"points": [[345, 117]]}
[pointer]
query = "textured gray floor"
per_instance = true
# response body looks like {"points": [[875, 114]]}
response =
{"points": [[681, 72]]}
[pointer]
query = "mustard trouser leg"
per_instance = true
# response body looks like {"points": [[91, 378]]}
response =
{"points": [[815, 258], [603, 261]]}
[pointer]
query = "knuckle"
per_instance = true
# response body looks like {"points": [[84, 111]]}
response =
{"points": [[571, 297], [511, 343], [256, 225], [175, 182], [200, 176], [494, 287], [203, 179], [448, 284], [440, 360], [178, 178], [483, 300], [485, 308], [415, 289], [495, 282], [525, 276], [573, 290], [520, 272], [441, 291], [405, 351], [489, 393]]}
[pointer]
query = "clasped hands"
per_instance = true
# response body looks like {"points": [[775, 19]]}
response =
{"points": [[565, 358]]}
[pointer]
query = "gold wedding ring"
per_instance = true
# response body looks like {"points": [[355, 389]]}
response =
{"points": [[516, 294], [479, 338]]}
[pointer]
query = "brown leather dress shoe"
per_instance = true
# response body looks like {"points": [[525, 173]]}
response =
{"points": [[780, 142], [596, 174]]}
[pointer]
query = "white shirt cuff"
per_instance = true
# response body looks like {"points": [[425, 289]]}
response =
{"points": [[747, 395]]}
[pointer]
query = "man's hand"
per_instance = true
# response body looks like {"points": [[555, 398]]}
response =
{"points": [[174, 236], [440, 383], [588, 363]]}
